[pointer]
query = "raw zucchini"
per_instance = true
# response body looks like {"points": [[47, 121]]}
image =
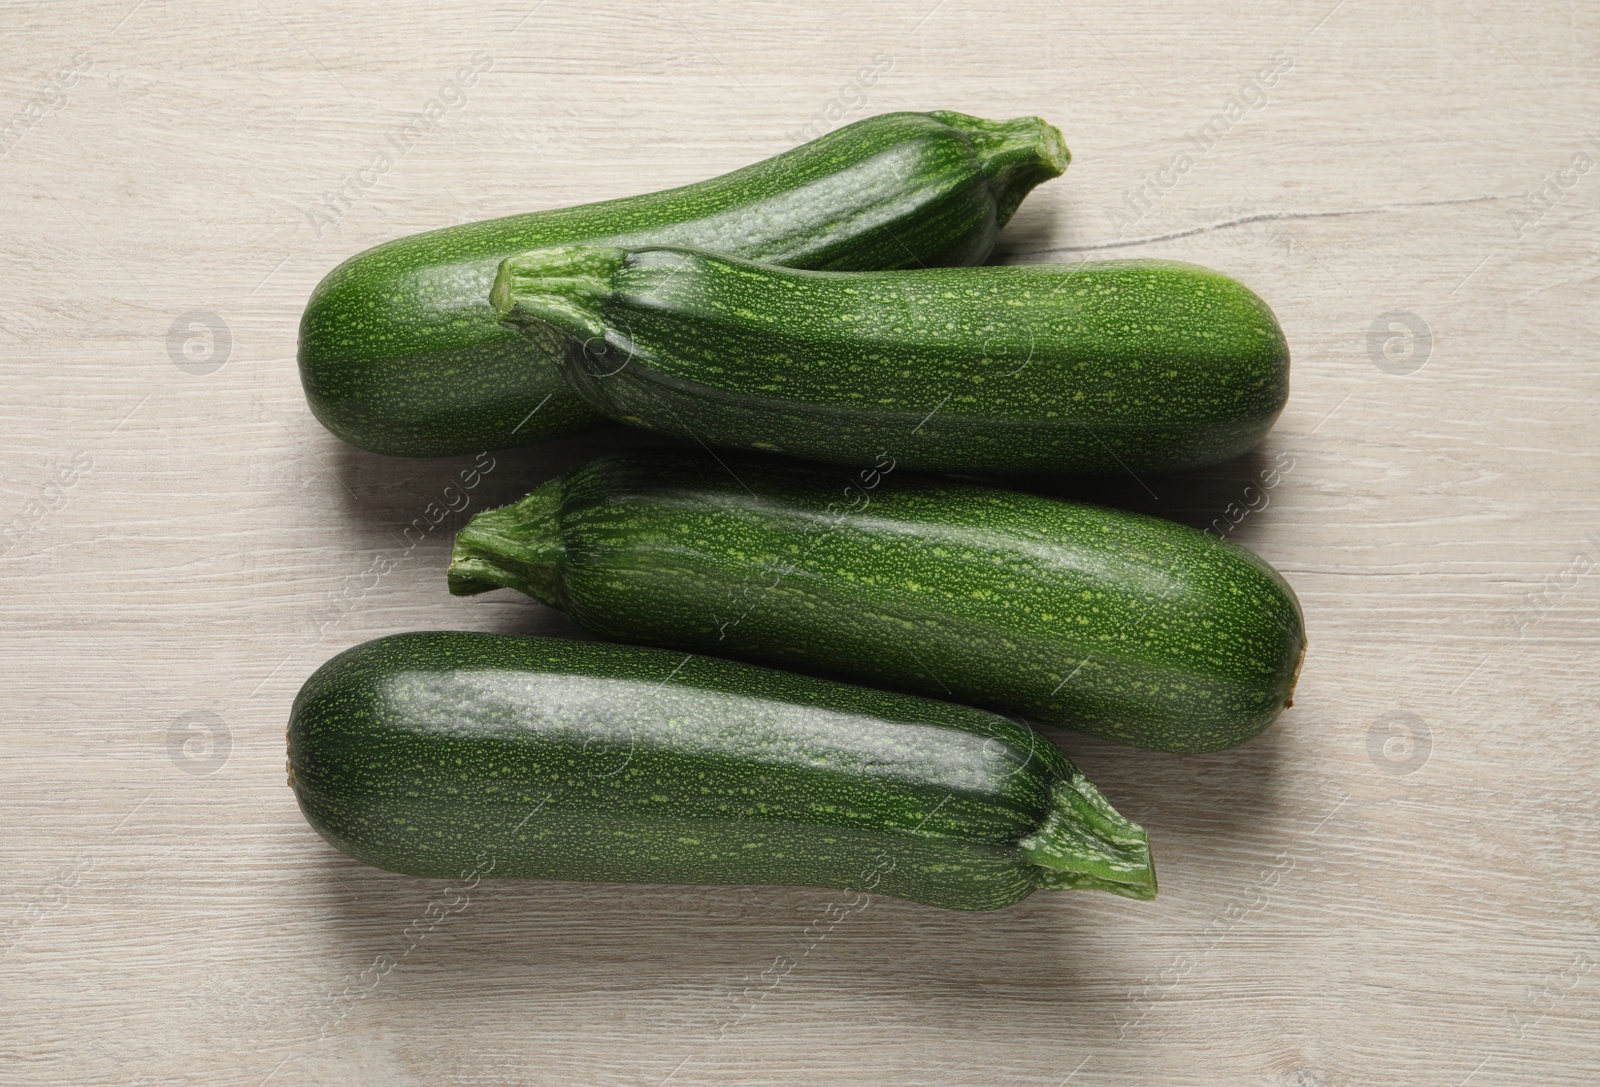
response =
{"points": [[1097, 367], [1126, 626], [455, 754], [400, 352]]}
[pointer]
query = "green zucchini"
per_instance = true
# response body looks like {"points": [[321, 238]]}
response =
{"points": [[1129, 627], [1098, 367], [457, 754], [401, 354]]}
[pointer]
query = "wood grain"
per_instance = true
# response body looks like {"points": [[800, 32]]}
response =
{"points": [[1396, 884]]}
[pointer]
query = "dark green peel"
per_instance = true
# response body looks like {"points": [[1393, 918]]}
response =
{"points": [[446, 754], [1129, 627], [1099, 367], [400, 351]]}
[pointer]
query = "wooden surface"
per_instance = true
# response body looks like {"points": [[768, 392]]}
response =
{"points": [[1396, 884]]}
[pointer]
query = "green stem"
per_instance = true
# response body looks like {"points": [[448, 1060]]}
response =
{"points": [[1084, 843], [515, 547], [561, 288], [1016, 155]]}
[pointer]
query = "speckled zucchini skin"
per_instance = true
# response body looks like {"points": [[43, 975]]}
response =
{"points": [[400, 352], [453, 754], [1099, 367], [1125, 626]]}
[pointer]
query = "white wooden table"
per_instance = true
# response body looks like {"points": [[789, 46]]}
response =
{"points": [[1397, 883]]}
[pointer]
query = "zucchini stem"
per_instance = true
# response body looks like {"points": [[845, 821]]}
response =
{"points": [[1086, 844], [1016, 155], [516, 547], [558, 288]]}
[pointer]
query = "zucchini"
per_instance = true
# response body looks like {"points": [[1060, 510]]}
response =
{"points": [[1094, 368], [449, 754], [1126, 626], [400, 352]]}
